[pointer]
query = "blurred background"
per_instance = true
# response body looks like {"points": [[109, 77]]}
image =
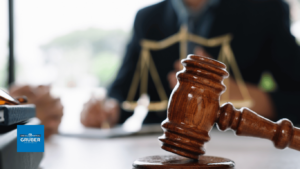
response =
{"points": [[71, 45], [74, 46]]}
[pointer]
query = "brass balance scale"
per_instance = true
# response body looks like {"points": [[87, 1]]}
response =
{"points": [[146, 64]]}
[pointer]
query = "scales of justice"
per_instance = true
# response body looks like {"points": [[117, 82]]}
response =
{"points": [[194, 106], [146, 64]]}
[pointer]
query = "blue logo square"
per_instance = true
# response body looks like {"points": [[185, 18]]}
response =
{"points": [[30, 138]]}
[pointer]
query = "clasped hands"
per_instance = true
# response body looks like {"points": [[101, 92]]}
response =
{"points": [[48, 109]]}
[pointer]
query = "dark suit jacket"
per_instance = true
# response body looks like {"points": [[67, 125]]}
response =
{"points": [[262, 42]]}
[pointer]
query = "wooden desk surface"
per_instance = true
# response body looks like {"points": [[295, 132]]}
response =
{"points": [[119, 153]]}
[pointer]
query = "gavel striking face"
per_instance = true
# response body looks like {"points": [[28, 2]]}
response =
{"points": [[194, 108]]}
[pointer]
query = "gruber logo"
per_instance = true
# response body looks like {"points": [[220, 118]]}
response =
{"points": [[30, 138]]}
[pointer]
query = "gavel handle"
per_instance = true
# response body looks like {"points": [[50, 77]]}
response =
{"points": [[248, 123]]}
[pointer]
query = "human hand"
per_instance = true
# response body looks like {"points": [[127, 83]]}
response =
{"points": [[263, 104], [200, 51], [48, 109], [100, 113]]}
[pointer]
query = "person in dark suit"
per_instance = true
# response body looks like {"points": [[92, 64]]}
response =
{"points": [[261, 42]]}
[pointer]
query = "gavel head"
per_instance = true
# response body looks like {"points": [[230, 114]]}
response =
{"points": [[193, 106]]}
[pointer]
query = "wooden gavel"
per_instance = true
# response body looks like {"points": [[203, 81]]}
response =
{"points": [[194, 108]]}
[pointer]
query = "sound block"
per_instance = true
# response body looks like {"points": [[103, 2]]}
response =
{"points": [[175, 161]]}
